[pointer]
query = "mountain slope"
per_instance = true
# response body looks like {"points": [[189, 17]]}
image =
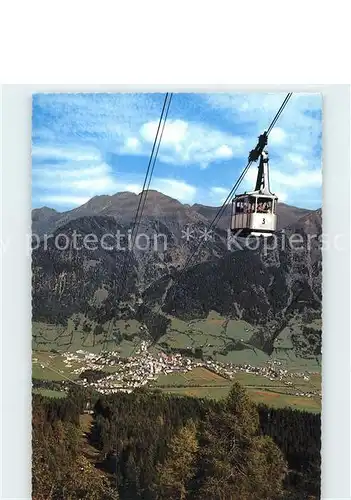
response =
{"points": [[267, 287], [158, 206], [263, 286], [68, 275], [286, 214], [44, 219]]}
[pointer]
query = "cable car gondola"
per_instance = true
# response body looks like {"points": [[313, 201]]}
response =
{"points": [[254, 213]]}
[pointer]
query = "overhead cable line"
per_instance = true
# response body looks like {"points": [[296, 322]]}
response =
{"points": [[147, 181], [279, 112], [144, 192], [154, 161], [254, 156], [143, 195]]}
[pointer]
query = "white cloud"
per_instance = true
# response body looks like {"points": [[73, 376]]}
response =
{"points": [[224, 152], [282, 197], [294, 143], [296, 159], [65, 153], [81, 180], [75, 177], [185, 143], [250, 178], [63, 200], [174, 131], [109, 114], [299, 125], [127, 123], [81, 176], [219, 190], [287, 185], [68, 172], [301, 179], [256, 108], [179, 190], [277, 136], [102, 185], [134, 188], [132, 144], [261, 107], [218, 195]]}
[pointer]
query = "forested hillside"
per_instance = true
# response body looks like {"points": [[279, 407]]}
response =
{"points": [[152, 446]]}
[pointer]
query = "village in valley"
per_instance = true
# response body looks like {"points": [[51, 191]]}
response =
{"points": [[107, 373]]}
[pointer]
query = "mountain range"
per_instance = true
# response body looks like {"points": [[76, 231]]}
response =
{"points": [[268, 288], [122, 206]]}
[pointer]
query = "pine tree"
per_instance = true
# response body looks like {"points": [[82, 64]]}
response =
{"points": [[237, 463], [179, 467]]}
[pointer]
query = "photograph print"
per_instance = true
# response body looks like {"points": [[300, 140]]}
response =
{"points": [[176, 296]]}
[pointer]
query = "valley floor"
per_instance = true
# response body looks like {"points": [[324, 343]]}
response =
{"points": [[199, 358], [54, 372]]}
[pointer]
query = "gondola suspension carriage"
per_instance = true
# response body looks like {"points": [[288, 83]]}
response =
{"points": [[254, 213]]}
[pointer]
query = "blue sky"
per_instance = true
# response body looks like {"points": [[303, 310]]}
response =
{"points": [[90, 144]]}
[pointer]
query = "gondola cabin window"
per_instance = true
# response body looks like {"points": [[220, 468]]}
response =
{"points": [[264, 206], [254, 214], [245, 206]]}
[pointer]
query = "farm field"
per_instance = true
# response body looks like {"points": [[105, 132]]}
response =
{"points": [[203, 383], [48, 393], [211, 334], [198, 376], [115, 336], [228, 341], [281, 400], [200, 392], [50, 366], [224, 340], [270, 398]]}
